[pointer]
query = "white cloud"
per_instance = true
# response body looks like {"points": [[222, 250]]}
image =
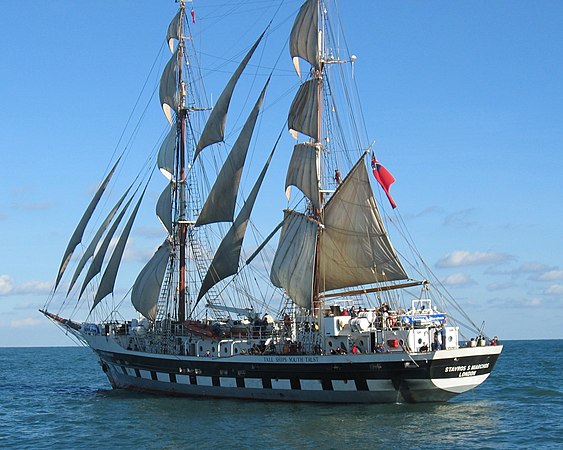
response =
{"points": [[6, 284], [9, 287], [25, 323], [551, 275], [500, 286], [464, 258], [458, 279], [555, 289]]}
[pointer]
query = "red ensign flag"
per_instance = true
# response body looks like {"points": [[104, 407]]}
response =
{"points": [[384, 178]]}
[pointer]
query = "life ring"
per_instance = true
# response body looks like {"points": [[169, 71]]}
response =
{"points": [[390, 322]]}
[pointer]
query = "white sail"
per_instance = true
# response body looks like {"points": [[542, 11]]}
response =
{"points": [[304, 111], [164, 207], [220, 204], [110, 274], [96, 264], [354, 246], [76, 237], [146, 289], [304, 40], [293, 265], [226, 259], [173, 32], [304, 172], [165, 159], [93, 244], [214, 130], [168, 87]]}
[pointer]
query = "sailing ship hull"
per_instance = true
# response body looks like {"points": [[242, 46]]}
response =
{"points": [[363, 378]]}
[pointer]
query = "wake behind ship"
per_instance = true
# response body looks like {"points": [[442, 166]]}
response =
{"points": [[331, 315]]}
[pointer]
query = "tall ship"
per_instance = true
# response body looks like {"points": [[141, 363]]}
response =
{"points": [[318, 305]]}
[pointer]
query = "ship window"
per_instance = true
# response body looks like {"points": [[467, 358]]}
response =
{"points": [[330, 343], [200, 348], [225, 350], [419, 340], [212, 349], [236, 350]]}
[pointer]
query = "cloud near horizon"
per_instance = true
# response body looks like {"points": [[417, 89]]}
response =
{"points": [[555, 289], [458, 279], [24, 323], [9, 287], [461, 258]]}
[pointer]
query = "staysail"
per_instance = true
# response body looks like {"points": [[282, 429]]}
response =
{"points": [[226, 259], [89, 252], [214, 130], [96, 264], [220, 204], [110, 274], [76, 237]]}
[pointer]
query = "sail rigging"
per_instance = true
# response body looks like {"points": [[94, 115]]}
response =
{"points": [[76, 237], [220, 203], [214, 130]]}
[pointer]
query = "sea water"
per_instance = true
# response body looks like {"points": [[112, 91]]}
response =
{"points": [[59, 398]]}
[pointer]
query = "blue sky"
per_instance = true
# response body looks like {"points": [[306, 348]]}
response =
{"points": [[464, 100]]}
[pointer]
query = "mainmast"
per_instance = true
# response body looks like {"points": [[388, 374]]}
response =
{"points": [[318, 73], [182, 219]]}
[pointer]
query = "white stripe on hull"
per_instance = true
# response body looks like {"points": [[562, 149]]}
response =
{"points": [[459, 385]]}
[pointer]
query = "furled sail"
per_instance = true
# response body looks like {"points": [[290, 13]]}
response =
{"points": [[304, 41], [146, 289], [93, 244], [76, 237], [303, 172], [168, 87], [293, 265], [304, 111], [165, 159], [164, 207], [96, 264], [226, 259], [220, 204], [214, 130], [354, 246], [110, 274], [173, 32]]}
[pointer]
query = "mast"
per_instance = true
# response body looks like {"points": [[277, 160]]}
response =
{"points": [[182, 219], [317, 213]]}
